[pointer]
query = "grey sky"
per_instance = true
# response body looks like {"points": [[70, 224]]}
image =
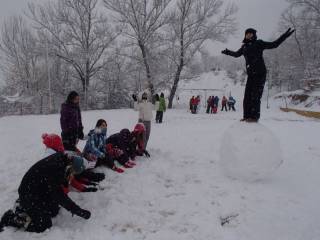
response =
{"points": [[263, 15], [260, 14]]}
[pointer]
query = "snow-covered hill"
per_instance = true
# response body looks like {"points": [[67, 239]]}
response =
{"points": [[182, 192], [208, 84]]}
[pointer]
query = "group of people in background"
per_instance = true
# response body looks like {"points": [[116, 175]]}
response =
{"points": [[227, 104], [45, 186]]}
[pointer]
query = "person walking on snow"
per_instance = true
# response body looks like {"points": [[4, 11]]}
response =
{"points": [[252, 50], [224, 103], [71, 123]]}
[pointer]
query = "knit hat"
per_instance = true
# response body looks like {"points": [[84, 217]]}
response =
{"points": [[53, 141], [78, 164], [139, 128], [254, 32], [251, 30]]}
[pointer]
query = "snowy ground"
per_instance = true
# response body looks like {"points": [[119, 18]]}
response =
{"points": [[182, 191]]}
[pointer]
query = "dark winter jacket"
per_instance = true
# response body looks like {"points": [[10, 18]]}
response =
{"points": [[116, 141], [70, 120], [253, 54], [96, 144], [216, 101], [42, 185], [231, 100]]}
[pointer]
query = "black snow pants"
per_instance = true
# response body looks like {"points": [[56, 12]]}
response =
{"points": [[252, 96], [40, 214]]}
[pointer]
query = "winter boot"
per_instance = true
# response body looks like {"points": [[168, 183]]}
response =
{"points": [[9, 218]]}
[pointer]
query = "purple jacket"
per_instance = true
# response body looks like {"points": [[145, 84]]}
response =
{"points": [[70, 119]]}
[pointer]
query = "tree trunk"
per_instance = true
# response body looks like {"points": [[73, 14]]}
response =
{"points": [[175, 86], [145, 61], [179, 70]]}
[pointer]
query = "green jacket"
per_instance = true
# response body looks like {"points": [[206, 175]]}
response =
{"points": [[162, 105]]}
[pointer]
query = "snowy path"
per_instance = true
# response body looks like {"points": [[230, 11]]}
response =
{"points": [[180, 193]]}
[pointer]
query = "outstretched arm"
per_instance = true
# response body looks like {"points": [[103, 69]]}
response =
{"points": [[276, 43], [232, 53]]}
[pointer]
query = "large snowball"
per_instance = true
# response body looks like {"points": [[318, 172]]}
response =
{"points": [[249, 152]]}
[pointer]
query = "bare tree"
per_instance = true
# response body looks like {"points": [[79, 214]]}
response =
{"points": [[77, 33], [193, 22], [143, 20], [299, 58], [20, 59]]}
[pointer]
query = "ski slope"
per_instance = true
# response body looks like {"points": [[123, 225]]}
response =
{"points": [[181, 192]]}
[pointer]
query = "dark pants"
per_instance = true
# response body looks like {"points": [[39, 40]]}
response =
{"points": [[231, 106], [159, 116], [208, 109], [106, 161], [252, 96], [69, 141], [194, 109], [40, 212], [224, 106]]}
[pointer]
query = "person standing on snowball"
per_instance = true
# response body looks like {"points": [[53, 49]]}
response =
{"points": [[252, 50]]}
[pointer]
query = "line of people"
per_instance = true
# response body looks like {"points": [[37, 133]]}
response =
{"points": [[226, 104], [45, 186]]}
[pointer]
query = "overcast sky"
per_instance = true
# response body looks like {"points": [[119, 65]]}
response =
{"points": [[262, 15]]}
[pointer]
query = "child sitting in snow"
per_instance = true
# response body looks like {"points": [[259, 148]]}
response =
{"points": [[95, 149]]}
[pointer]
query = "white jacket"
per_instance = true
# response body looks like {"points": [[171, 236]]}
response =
{"points": [[145, 110]]}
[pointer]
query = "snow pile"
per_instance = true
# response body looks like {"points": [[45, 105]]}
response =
{"points": [[250, 152]]}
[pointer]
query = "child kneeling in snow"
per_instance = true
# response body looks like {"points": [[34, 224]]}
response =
{"points": [[41, 194], [80, 182], [116, 148], [136, 146]]}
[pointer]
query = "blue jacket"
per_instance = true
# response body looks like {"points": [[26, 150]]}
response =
{"points": [[96, 144]]}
